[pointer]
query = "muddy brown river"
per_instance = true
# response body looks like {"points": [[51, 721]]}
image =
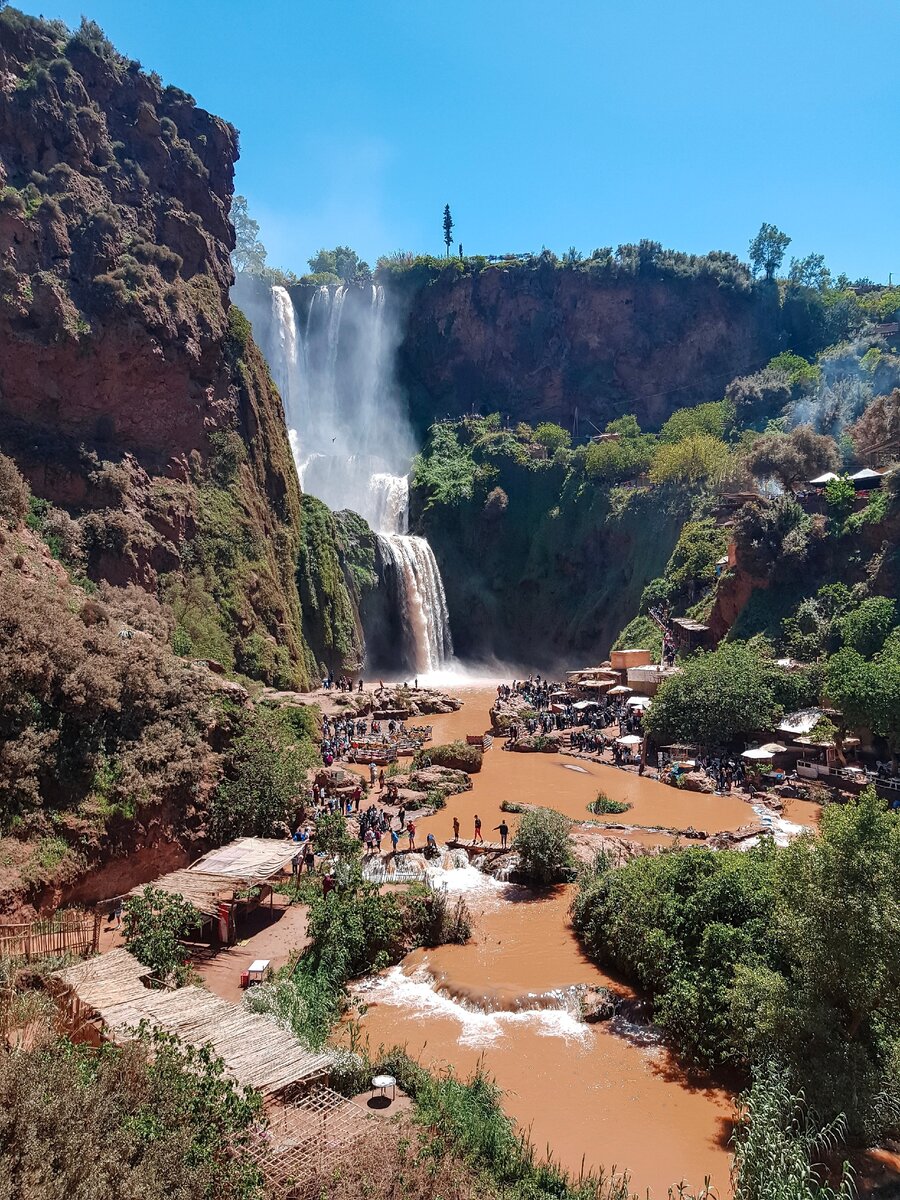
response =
{"points": [[590, 1095]]}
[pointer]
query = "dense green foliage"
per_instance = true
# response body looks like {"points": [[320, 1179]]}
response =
{"points": [[458, 755], [543, 843], [789, 952], [333, 568], [715, 699], [155, 921], [779, 1145], [152, 1120], [265, 780], [678, 923]]}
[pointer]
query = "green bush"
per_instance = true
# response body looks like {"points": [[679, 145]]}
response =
{"points": [[604, 804], [544, 845], [459, 756], [265, 777], [155, 921]]}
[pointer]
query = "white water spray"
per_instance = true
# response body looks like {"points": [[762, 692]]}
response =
{"points": [[352, 441]]}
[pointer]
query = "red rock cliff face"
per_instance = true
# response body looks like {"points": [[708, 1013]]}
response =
{"points": [[127, 392], [543, 342]]}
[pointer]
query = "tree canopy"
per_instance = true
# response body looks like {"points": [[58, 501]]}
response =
{"points": [[791, 457], [715, 699], [249, 253], [767, 250]]}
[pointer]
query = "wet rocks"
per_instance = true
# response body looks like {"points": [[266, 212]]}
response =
{"points": [[538, 743], [506, 713], [597, 1004]]}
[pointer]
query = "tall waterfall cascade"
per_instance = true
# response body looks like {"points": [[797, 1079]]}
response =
{"points": [[353, 443]]}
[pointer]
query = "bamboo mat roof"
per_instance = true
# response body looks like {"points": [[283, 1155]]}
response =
{"points": [[256, 1051], [241, 864], [107, 980], [247, 856]]}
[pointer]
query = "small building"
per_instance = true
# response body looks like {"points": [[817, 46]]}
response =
{"points": [[623, 659], [646, 680], [690, 635], [235, 877]]}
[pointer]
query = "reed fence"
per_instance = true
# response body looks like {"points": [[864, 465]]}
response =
{"points": [[63, 933]]}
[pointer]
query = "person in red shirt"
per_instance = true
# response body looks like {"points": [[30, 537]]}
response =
{"points": [[411, 834]]}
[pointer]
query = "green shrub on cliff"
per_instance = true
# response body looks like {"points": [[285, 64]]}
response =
{"points": [[265, 780], [14, 493]]}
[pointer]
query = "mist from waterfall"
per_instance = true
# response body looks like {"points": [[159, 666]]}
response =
{"points": [[352, 440], [351, 436]]}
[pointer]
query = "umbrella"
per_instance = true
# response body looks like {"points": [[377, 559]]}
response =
{"points": [[757, 754], [620, 690], [638, 702], [582, 705], [774, 747], [823, 479], [630, 739]]}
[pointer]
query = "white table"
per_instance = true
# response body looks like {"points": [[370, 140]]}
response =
{"points": [[383, 1082], [258, 970]]}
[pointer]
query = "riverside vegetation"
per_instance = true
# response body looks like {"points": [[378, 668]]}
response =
{"points": [[167, 529]]}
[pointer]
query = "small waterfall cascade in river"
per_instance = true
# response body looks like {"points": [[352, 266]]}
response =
{"points": [[353, 443]]}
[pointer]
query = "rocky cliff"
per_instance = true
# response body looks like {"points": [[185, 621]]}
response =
{"points": [[131, 394], [544, 342]]}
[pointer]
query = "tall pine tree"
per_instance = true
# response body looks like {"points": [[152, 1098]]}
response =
{"points": [[448, 228]]}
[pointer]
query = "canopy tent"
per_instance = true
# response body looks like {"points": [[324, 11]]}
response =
{"points": [[638, 702], [582, 705], [598, 685], [620, 690], [560, 695], [758, 754], [866, 478], [774, 747], [629, 739], [822, 479]]}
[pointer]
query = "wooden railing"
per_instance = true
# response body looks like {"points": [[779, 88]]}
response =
{"points": [[63, 933]]}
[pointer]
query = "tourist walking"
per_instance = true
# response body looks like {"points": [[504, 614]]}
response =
{"points": [[456, 829], [478, 835]]}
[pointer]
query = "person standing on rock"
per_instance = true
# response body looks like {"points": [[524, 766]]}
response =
{"points": [[411, 834], [456, 829], [381, 780], [478, 835], [503, 830]]}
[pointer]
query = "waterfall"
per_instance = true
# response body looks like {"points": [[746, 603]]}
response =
{"points": [[352, 440], [420, 593]]}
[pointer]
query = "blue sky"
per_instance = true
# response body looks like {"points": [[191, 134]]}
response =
{"points": [[584, 122]]}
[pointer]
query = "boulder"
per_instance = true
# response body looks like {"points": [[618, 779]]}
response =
{"points": [[597, 1004]]}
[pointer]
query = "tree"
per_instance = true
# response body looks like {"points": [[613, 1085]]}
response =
{"points": [[266, 769], [810, 272], [866, 627], [448, 228], [768, 532], [690, 461], [767, 250], [878, 429], [155, 923], [712, 418], [249, 253], [552, 436], [760, 397], [791, 457], [343, 262], [716, 699], [840, 495], [826, 1005], [544, 844]]}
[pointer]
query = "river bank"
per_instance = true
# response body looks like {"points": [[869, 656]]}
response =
{"points": [[590, 1095]]}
